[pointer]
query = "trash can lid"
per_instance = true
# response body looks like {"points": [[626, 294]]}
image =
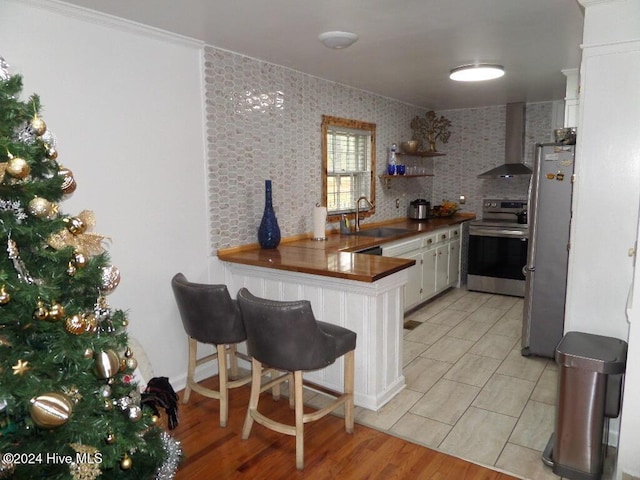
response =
{"points": [[595, 353]]}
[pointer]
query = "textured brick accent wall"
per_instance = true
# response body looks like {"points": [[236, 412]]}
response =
{"points": [[263, 122]]}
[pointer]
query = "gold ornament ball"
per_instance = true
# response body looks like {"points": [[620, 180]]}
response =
{"points": [[40, 313], [79, 260], [56, 312], [126, 462], [132, 363], [75, 225], [110, 279], [107, 405], [38, 125], [110, 438], [135, 413], [39, 207], [18, 167], [52, 153], [105, 391], [155, 419], [75, 325], [68, 183], [128, 353], [7, 468], [4, 296], [50, 410], [71, 269], [107, 364], [91, 323], [88, 353]]}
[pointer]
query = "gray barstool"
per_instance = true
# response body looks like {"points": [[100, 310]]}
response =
{"points": [[286, 336], [210, 315]]}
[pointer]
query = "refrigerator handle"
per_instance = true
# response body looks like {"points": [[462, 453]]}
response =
{"points": [[526, 269]]}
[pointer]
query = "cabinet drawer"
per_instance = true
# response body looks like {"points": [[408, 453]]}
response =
{"points": [[429, 240], [454, 233], [400, 248], [442, 236]]}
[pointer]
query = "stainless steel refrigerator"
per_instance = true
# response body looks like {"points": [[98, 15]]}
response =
{"points": [[549, 218]]}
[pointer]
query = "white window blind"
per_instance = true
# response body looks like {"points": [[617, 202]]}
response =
{"points": [[348, 167]]}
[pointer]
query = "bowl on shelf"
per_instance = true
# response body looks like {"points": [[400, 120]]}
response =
{"points": [[410, 146]]}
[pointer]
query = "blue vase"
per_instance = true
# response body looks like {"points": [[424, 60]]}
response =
{"points": [[269, 231]]}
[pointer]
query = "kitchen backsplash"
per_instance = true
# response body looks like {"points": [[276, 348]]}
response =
{"points": [[477, 145], [263, 122]]}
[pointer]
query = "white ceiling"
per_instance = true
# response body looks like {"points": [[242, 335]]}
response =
{"points": [[406, 47]]}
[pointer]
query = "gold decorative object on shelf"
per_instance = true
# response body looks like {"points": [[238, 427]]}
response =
{"points": [[410, 146], [431, 128]]}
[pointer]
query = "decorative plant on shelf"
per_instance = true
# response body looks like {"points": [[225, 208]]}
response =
{"points": [[431, 128]]}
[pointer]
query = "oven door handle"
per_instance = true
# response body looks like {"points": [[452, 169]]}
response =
{"points": [[526, 269], [487, 232]]}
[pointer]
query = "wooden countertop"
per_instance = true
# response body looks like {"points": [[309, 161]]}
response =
{"points": [[335, 256]]}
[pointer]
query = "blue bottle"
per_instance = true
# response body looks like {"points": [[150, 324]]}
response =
{"points": [[393, 161], [269, 231]]}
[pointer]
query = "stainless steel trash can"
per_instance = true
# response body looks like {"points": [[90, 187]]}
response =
{"points": [[589, 389]]}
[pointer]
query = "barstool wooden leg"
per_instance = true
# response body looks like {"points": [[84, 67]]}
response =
{"points": [[224, 391], [256, 380], [191, 368], [299, 410], [349, 374], [233, 363]]}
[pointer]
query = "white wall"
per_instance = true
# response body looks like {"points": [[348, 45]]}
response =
{"points": [[607, 194], [125, 103]]}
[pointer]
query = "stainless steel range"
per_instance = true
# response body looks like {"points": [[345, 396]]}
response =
{"points": [[498, 248]]}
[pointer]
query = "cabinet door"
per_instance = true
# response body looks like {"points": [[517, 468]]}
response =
{"points": [[442, 267], [413, 288], [454, 263], [429, 262]]}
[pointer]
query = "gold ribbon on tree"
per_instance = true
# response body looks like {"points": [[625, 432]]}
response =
{"points": [[82, 240]]}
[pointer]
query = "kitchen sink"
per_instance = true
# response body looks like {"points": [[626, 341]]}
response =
{"points": [[382, 232]]}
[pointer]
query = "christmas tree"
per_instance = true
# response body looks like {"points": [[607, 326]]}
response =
{"points": [[69, 404]]}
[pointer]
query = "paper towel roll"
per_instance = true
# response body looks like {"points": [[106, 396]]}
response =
{"points": [[319, 222]]}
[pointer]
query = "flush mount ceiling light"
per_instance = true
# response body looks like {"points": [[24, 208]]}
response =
{"points": [[476, 72], [338, 40]]}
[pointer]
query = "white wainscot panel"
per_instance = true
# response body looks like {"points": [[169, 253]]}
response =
{"points": [[375, 311]]}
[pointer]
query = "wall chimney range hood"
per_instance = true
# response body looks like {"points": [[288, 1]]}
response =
{"points": [[514, 146]]}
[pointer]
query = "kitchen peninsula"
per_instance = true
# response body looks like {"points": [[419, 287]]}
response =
{"points": [[364, 293]]}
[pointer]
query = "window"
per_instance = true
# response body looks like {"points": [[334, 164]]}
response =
{"points": [[349, 159]]}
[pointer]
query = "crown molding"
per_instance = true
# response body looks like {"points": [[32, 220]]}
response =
{"points": [[592, 3], [109, 21]]}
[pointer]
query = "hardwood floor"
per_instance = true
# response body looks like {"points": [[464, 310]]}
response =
{"points": [[330, 453]]}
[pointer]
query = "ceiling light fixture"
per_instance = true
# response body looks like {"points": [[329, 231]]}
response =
{"points": [[338, 40], [476, 72]]}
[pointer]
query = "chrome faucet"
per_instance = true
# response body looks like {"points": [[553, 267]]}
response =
{"points": [[357, 222]]}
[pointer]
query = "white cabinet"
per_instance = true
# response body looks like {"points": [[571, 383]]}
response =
{"points": [[453, 274], [442, 267], [413, 288], [411, 249], [437, 256]]}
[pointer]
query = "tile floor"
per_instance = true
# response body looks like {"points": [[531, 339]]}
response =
{"points": [[469, 391]]}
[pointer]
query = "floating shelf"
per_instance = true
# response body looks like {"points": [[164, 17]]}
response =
{"points": [[421, 154], [386, 178]]}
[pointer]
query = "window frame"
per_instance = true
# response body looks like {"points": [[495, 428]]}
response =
{"points": [[370, 129]]}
